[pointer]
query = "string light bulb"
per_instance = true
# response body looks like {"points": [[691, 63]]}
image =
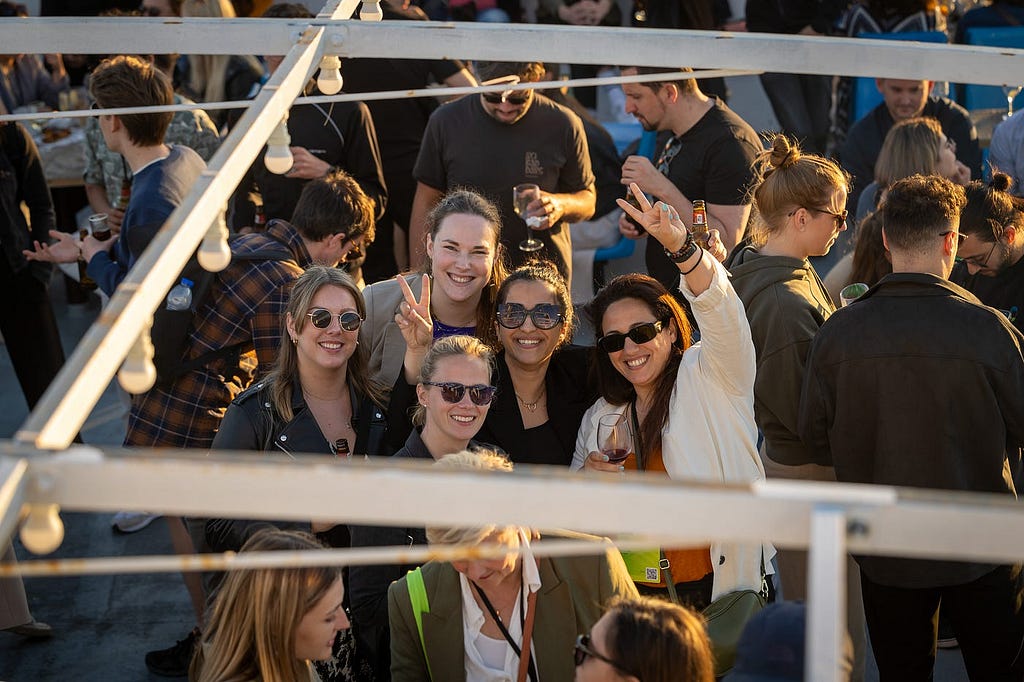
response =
{"points": [[137, 374], [329, 81], [371, 11], [278, 158], [214, 253], [43, 531]]}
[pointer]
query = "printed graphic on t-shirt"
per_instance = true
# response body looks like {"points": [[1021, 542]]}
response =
{"points": [[533, 168]]}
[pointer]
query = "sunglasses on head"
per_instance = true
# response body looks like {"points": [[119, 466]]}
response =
{"points": [[452, 392], [500, 98], [583, 648], [642, 333], [544, 315], [321, 318]]}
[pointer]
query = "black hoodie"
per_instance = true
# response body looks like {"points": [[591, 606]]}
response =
{"points": [[786, 305]]}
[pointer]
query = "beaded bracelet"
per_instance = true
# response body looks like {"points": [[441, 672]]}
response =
{"points": [[688, 248]]}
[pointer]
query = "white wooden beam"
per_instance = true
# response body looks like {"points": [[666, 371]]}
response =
{"points": [[12, 495], [826, 594], [890, 521], [515, 42]]}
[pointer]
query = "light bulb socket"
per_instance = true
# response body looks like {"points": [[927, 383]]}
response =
{"points": [[371, 11]]}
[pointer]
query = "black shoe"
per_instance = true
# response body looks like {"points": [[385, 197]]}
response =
{"points": [[174, 662]]}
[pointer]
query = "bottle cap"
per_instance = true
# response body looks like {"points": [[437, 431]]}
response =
{"points": [[187, 282]]}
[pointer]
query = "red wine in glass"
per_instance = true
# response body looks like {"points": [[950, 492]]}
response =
{"points": [[614, 437]]}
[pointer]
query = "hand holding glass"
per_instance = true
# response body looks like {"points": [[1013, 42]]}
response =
{"points": [[614, 437], [522, 196]]}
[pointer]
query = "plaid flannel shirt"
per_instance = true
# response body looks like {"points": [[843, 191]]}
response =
{"points": [[246, 304]]}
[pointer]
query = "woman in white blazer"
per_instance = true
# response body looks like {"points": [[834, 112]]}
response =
{"points": [[691, 406]]}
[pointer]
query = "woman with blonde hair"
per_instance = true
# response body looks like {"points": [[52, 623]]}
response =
{"points": [[454, 391], [915, 146], [645, 639], [799, 201], [509, 617], [218, 77], [269, 624]]}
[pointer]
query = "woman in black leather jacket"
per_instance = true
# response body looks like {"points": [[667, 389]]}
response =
{"points": [[317, 400]]}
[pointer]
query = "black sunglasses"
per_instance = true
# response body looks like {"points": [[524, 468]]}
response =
{"points": [[642, 333], [498, 98], [544, 315], [582, 649], [452, 392], [353, 254], [321, 319]]}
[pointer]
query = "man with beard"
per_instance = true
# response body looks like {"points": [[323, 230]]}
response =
{"points": [[990, 264], [497, 140], [709, 155]]}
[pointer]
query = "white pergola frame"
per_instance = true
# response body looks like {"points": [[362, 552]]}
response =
{"points": [[38, 467]]}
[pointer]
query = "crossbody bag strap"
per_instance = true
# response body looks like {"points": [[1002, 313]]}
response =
{"points": [[526, 664], [420, 605]]}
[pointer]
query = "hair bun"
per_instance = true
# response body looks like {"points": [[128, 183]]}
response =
{"points": [[1001, 182], [783, 153]]}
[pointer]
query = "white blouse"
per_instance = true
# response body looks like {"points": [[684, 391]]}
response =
{"points": [[481, 652]]}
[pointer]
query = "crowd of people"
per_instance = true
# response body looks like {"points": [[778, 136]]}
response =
{"points": [[390, 296]]}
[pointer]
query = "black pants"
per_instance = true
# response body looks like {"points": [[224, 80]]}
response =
{"points": [[986, 618], [30, 331]]}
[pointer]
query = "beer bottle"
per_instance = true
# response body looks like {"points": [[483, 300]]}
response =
{"points": [[341, 448], [700, 223]]}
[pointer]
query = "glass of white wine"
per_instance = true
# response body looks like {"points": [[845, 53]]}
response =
{"points": [[522, 196]]}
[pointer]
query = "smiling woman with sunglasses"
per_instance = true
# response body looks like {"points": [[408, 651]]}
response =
{"points": [[545, 388], [454, 392], [690, 406]]}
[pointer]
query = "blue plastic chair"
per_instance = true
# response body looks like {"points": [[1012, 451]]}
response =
{"points": [[974, 97], [865, 95]]}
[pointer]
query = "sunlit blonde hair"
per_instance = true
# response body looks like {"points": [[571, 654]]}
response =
{"points": [[457, 346], [469, 460], [251, 631], [790, 179]]}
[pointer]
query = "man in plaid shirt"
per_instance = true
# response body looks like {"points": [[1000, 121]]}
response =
{"points": [[332, 221]]}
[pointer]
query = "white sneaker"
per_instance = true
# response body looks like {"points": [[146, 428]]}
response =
{"points": [[132, 522]]}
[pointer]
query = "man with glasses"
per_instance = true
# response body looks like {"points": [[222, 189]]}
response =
{"points": [[991, 263], [895, 394], [494, 141], [709, 155], [902, 100]]}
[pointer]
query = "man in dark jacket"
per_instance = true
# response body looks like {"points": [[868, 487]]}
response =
{"points": [[895, 395]]}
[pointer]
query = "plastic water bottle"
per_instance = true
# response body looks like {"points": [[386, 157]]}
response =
{"points": [[180, 297]]}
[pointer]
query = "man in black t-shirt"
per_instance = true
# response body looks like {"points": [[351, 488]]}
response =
{"points": [[399, 124], [494, 141], [710, 156], [990, 263]]}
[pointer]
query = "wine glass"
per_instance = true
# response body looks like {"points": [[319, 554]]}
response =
{"points": [[1011, 92], [522, 196], [614, 437]]}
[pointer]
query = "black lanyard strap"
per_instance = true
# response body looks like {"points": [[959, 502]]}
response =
{"points": [[501, 626]]}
